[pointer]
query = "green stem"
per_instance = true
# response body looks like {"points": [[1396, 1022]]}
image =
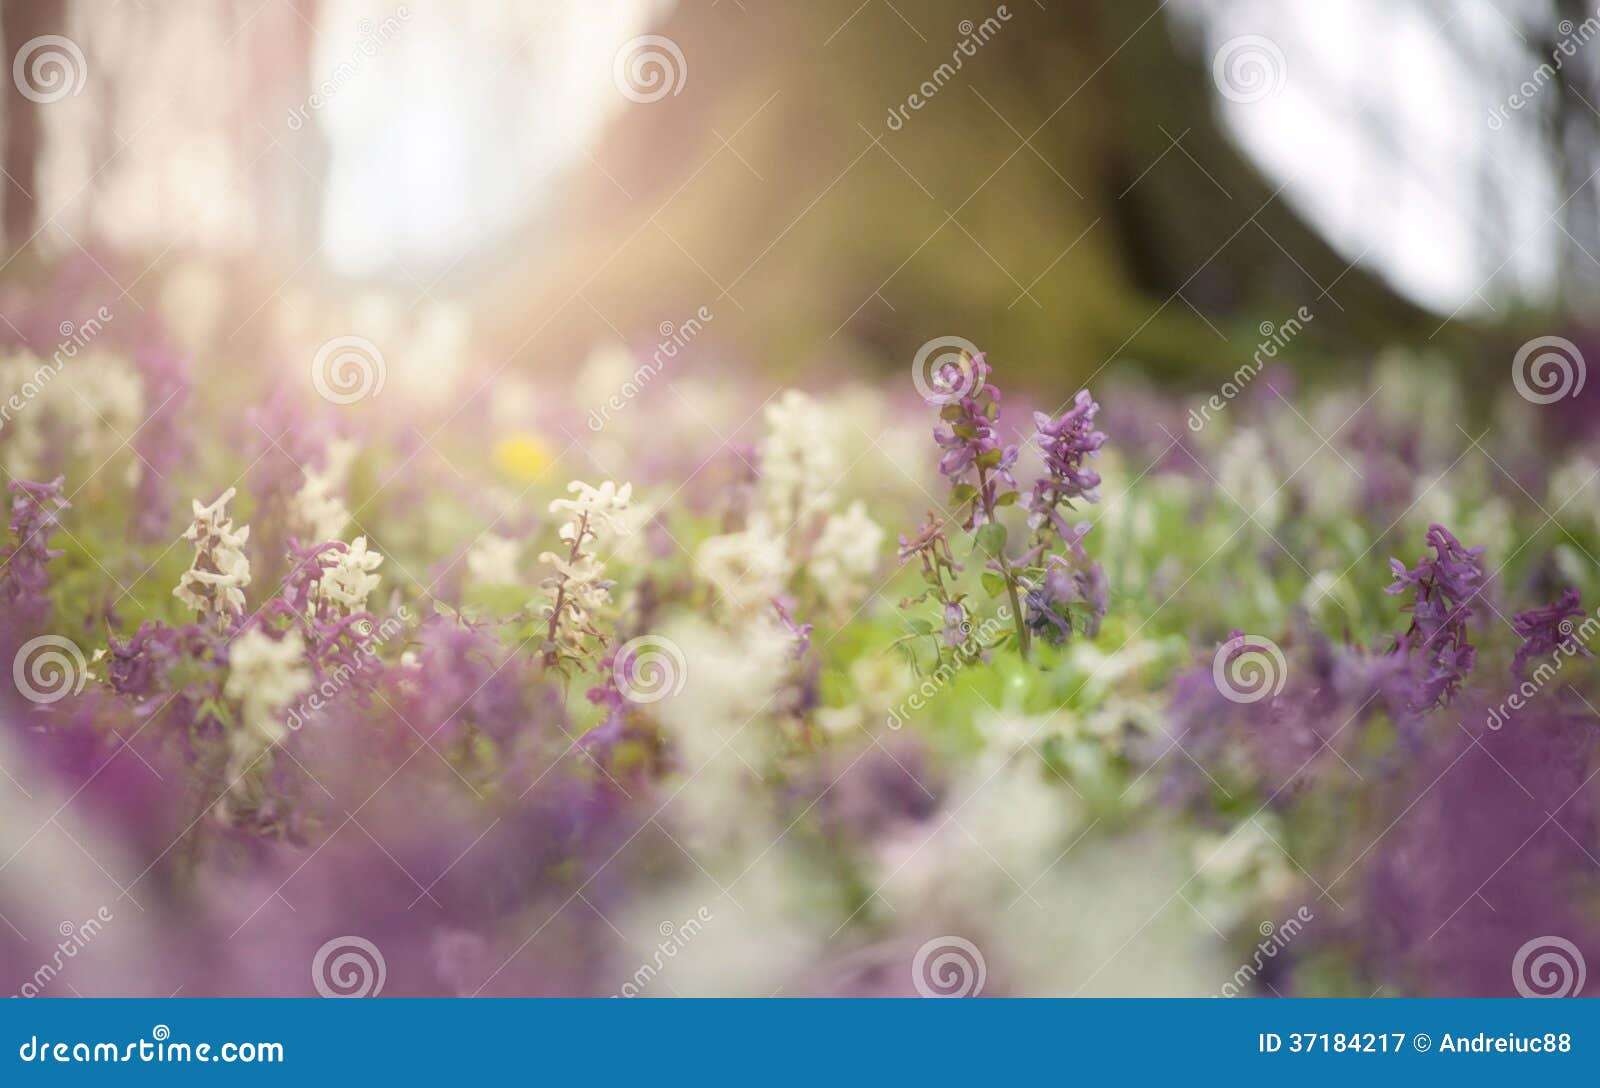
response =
{"points": [[1005, 568]]}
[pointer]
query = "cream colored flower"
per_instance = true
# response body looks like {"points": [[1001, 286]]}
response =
{"points": [[317, 510], [351, 580], [214, 583], [265, 675], [748, 569], [492, 560], [846, 555], [597, 510], [799, 458], [580, 589]]}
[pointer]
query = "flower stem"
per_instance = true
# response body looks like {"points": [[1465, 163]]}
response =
{"points": [[987, 499]]}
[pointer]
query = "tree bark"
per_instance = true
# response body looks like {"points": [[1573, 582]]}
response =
{"points": [[20, 22], [1064, 199]]}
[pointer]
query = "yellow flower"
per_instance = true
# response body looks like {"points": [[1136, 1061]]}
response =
{"points": [[523, 456]]}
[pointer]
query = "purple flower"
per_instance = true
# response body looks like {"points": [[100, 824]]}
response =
{"points": [[1443, 587], [975, 462], [1542, 630], [800, 632], [1067, 442], [24, 581], [138, 664], [1479, 860], [1071, 584], [956, 624]]}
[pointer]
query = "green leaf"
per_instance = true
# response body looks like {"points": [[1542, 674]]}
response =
{"points": [[994, 584], [962, 494], [1006, 498], [991, 539], [988, 459]]}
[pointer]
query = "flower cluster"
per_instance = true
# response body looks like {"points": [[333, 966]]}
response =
{"points": [[418, 735], [24, 580], [1053, 587], [579, 588], [215, 582], [1443, 590], [1544, 630]]}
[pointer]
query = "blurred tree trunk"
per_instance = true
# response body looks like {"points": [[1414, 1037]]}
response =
{"points": [[21, 21], [1063, 199]]}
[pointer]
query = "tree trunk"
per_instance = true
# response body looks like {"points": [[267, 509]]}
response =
{"points": [[1063, 198], [20, 22]]}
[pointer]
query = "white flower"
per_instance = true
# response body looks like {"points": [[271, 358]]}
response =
{"points": [[93, 396], [595, 510], [1246, 473], [748, 569], [580, 589], [316, 509], [846, 555], [799, 458], [265, 675], [1236, 871], [214, 583], [492, 560], [351, 579]]}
